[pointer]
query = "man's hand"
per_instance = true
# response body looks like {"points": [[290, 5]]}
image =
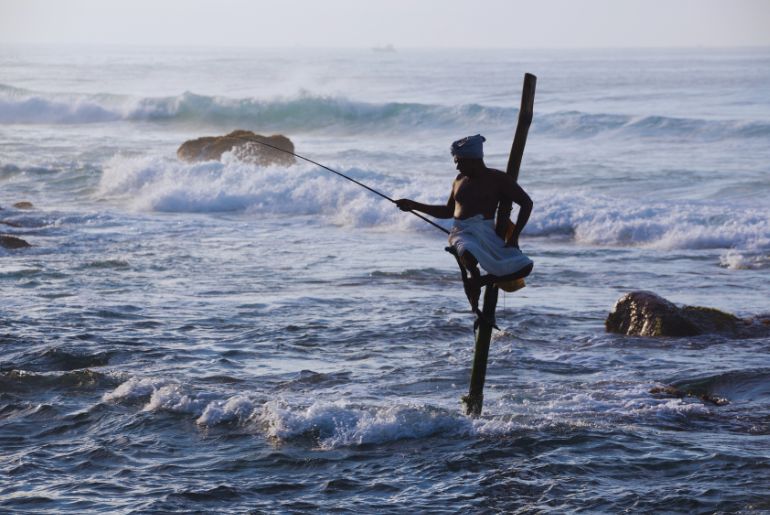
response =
{"points": [[404, 204]]}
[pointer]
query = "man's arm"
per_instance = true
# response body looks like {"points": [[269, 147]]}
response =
{"points": [[513, 191], [436, 211]]}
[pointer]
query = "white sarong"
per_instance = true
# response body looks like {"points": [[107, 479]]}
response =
{"points": [[477, 236]]}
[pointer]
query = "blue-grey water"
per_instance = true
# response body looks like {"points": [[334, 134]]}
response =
{"points": [[220, 337]]}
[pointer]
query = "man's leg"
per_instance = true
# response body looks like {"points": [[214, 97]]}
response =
{"points": [[471, 264], [473, 284]]}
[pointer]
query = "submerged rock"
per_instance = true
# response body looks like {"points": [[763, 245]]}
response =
{"points": [[674, 391], [643, 313], [242, 144], [24, 205], [12, 242]]}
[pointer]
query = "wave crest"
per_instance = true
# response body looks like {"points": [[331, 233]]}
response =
{"points": [[308, 112], [301, 112]]}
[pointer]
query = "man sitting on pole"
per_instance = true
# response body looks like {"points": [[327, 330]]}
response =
{"points": [[476, 193]]}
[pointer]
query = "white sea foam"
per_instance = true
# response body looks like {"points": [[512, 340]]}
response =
{"points": [[216, 412], [339, 424], [169, 185], [342, 423], [604, 406], [597, 220], [746, 259], [669, 407], [173, 397], [164, 395], [134, 388], [332, 424]]}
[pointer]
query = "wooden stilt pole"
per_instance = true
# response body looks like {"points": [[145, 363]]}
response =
{"points": [[475, 399]]}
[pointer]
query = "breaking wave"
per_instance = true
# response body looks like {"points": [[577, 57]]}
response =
{"points": [[168, 185], [341, 423], [308, 112], [588, 218], [301, 112], [330, 424], [598, 220]]}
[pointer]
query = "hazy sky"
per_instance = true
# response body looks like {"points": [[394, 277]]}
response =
{"points": [[403, 23]]}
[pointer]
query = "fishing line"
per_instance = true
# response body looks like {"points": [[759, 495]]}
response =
{"points": [[434, 224]]}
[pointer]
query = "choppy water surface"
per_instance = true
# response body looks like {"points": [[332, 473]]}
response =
{"points": [[228, 338]]}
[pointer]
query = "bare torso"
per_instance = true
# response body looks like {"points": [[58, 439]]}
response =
{"points": [[478, 195]]}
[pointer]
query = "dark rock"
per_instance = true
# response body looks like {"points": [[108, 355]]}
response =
{"points": [[12, 242], [242, 144], [10, 224], [643, 313], [24, 205], [674, 391], [710, 320]]}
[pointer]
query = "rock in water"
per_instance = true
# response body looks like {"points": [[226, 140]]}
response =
{"points": [[12, 242], [242, 144], [674, 391], [24, 205], [643, 313]]}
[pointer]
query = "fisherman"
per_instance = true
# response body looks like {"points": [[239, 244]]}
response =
{"points": [[476, 193]]}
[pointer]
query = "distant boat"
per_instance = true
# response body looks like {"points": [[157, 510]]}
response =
{"points": [[386, 48]]}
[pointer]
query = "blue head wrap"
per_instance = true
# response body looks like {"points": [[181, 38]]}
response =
{"points": [[471, 147]]}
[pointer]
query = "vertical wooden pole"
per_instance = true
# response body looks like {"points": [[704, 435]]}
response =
{"points": [[526, 112], [475, 398]]}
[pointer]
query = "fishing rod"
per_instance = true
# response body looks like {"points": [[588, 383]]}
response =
{"points": [[434, 224]]}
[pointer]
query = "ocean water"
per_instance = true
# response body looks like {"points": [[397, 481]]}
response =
{"points": [[220, 337]]}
